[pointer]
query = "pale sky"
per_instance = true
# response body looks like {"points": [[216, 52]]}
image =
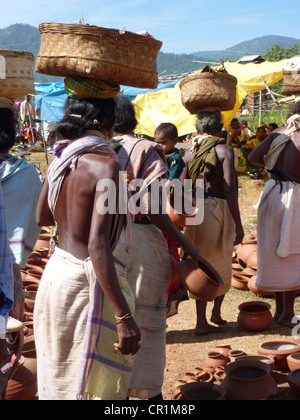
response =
{"points": [[184, 26]]}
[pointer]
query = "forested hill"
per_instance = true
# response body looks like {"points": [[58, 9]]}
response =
{"points": [[26, 37]]}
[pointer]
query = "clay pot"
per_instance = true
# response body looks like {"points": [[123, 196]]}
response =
{"points": [[279, 350], [35, 270], [250, 239], [202, 391], [214, 360], [43, 241], [294, 381], [224, 349], [244, 252], [28, 326], [29, 301], [239, 283], [32, 288], [249, 380], [189, 377], [293, 361], [219, 375], [252, 287], [201, 280], [23, 385], [248, 272], [235, 354], [29, 354], [181, 219], [252, 260], [265, 359], [255, 316]]}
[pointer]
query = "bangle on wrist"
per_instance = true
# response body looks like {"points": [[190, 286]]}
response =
{"points": [[122, 318]]}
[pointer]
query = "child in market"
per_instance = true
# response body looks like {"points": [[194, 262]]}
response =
{"points": [[166, 135]]}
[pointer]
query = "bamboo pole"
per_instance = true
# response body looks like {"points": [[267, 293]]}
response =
{"points": [[274, 99]]}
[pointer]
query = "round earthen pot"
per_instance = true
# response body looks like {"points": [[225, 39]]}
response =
{"points": [[224, 349], [235, 354], [294, 381], [249, 380], [252, 260], [200, 279], [255, 316], [214, 360], [23, 384], [239, 283], [293, 361], [181, 219], [252, 287], [244, 252], [202, 391], [265, 359], [279, 350], [29, 301], [29, 353]]}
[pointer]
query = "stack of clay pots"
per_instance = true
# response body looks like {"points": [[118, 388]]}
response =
{"points": [[213, 371], [22, 386], [244, 266]]}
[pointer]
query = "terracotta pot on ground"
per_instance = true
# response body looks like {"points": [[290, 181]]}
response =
{"points": [[294, 381], [29, 354], [255, 316], [244, 252], [201, 280], [202, 391], [252, 260], [252, 287], [23, 385], [265, 359], [214, 360], [279, 350], [224, 349], [293, 361], [235, 354], [249, 380], [239, 283]]}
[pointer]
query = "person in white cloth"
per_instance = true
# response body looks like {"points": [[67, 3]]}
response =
{"points": [[278, 225]]}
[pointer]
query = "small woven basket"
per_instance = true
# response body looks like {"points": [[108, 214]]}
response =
{"points": [[16, 74], [208, 89], [98, 53], [291, 82]]}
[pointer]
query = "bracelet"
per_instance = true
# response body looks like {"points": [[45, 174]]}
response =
{"points": [[121, 318]]}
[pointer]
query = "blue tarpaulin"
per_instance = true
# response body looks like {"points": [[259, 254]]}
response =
{"points": [[50, 98]]}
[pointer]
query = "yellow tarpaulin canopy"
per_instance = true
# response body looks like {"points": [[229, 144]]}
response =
{"points": [[165, 105]]}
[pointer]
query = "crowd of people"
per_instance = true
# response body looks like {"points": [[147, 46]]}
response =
{"points": [[101, 308]]}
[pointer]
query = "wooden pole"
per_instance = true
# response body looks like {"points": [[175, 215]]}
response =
{"points": [[276, 102]]}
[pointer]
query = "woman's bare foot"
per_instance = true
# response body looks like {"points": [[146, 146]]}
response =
{"points": [[207, 329], [218, 320]]}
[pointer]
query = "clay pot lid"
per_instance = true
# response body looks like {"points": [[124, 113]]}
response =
{"points": [[279, 347]]}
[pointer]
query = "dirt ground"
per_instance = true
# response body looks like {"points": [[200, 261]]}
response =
{"points": [[185, 351]]}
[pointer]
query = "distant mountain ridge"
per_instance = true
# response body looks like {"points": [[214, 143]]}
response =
{"points": [[26, 37]]}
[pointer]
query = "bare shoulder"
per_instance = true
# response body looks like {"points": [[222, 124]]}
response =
{"points": [[92, 166], [224, 151]]}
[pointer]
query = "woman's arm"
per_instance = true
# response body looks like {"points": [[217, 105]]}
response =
{"points": [[257, 155], [102, 259]]}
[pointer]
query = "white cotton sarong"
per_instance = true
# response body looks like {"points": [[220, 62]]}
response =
{"points": [[148, 272], [60, 320], [278, 240]]}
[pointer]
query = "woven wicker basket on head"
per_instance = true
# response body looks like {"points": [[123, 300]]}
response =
{"points": [[16, 74], [291, 82], [98, 53], [208, 89]]}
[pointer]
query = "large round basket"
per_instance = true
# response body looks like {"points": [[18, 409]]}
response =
{"points": [[291, 82], [208, 89], [98, 53], [16, 74]]}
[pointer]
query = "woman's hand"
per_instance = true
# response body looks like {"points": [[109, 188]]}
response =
{"points": [[129, 336]]}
